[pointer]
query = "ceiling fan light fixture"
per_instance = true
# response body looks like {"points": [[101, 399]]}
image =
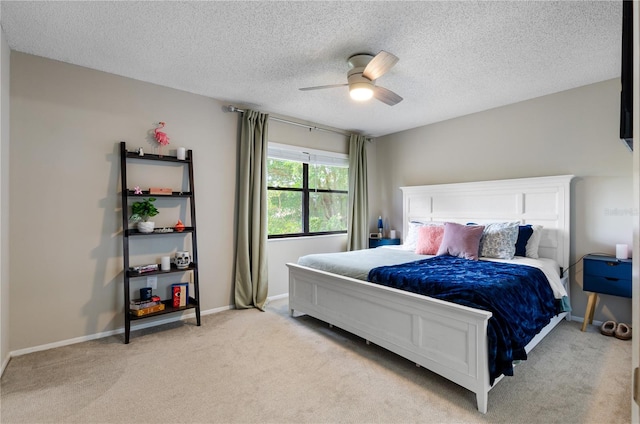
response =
{"points": [[364, 70], [361, 91]]}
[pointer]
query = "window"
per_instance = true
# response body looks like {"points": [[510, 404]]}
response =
{"points": [[307, 191]]}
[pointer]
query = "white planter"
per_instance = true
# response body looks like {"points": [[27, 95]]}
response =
{"points": [[146, 226]]}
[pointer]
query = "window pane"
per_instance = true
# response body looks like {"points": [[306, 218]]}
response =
{"points": [[285, 212], [328, 211], [284, 173], [327, 177]]}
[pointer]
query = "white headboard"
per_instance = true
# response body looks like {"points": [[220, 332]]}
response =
{"points": [[540, 200]]}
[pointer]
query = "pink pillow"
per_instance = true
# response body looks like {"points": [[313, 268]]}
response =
{"points": [[462, 241], [429, 239]]}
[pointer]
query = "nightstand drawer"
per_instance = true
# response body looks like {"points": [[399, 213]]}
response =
{"points": [[607, 285], [373, 243], [607, 267]]}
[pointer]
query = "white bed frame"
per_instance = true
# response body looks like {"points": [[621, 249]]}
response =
{"points": [[446, 338]]}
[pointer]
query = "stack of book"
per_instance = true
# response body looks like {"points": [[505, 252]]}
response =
{"points": [[139, 307]]}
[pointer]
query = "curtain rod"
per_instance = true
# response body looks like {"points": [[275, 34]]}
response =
{"points": [[232, 108]]}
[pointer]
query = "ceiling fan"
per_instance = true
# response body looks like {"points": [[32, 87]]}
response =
{"points": [[364, 70]]}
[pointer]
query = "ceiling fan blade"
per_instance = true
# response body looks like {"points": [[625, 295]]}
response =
{"points": [[320, 87], [386, 96], [379, 65]]}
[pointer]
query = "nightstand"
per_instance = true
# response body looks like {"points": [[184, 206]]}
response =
{"points": [[373, 242], [604, 275]]}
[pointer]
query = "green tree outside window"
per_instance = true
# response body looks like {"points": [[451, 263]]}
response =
{"points": [[306, 199]]}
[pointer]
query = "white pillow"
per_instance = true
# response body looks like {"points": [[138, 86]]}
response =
{"points": [[411, 241], [534, 242]]}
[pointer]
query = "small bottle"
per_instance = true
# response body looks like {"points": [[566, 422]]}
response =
{"points": [[380, 226]]}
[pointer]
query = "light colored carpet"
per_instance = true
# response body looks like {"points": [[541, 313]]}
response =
{"points": [[247, 366]]}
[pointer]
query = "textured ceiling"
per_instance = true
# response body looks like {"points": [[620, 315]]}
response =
{"points": [[456, 58]]}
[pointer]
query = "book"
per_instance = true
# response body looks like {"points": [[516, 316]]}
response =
{"points": [[144, 268], [135, 307], [154, 298], [180, 294], [137, 304], [147, 311]]}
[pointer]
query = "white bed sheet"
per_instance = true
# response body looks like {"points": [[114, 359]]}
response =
{"points": [[358, 263]]}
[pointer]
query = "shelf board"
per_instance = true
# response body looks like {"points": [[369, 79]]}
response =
{"points": [[168, 308], [174, 269], [134, 232], [163, 158], [145, 193]]}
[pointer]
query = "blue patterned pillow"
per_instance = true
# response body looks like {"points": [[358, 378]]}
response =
{"points": [[499, 240]]}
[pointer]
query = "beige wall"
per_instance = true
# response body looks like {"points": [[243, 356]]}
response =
{"points": [[65, 208], [572, 132], [64, 181], [4, 201], [65, 215]]}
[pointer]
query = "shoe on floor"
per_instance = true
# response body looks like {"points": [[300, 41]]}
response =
{"points": [[608, 328], [623, 331]]}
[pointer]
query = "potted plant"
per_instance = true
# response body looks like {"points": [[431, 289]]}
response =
{"points": [[141, 212]]}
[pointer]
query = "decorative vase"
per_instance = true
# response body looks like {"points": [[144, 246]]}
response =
{"points": [[146, 226], [183, 259]]}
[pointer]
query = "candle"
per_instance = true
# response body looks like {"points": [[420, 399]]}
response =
{"points": [[181, 153], [165, 263], [622, 251]]}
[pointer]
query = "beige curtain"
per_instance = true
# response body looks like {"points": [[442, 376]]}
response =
{"points": [[358, 227], [251, 282]]}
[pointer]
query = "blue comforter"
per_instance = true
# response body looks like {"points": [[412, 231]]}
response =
{"points": [[519, 297]]}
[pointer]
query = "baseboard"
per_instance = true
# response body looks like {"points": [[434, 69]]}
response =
{"points": [[5, 362], [134, 327], [278, 297], [581, 320]]}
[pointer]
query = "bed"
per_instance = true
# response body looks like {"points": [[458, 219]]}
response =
{"points": [[447, 338]]}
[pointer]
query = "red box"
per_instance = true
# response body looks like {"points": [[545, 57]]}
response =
{"points": [[179, 295]]}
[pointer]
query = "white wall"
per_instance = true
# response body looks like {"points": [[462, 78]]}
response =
{"points": [[4, 201], [572, 132]]}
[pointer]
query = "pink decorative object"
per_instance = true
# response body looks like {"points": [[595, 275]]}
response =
{"points": [[161, 137], [136, 190]]}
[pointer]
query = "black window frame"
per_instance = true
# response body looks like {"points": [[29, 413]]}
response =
{"points": [[306, 191]]}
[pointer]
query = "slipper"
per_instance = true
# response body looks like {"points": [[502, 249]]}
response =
{"points": [[623, 331], [608, 328]]}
